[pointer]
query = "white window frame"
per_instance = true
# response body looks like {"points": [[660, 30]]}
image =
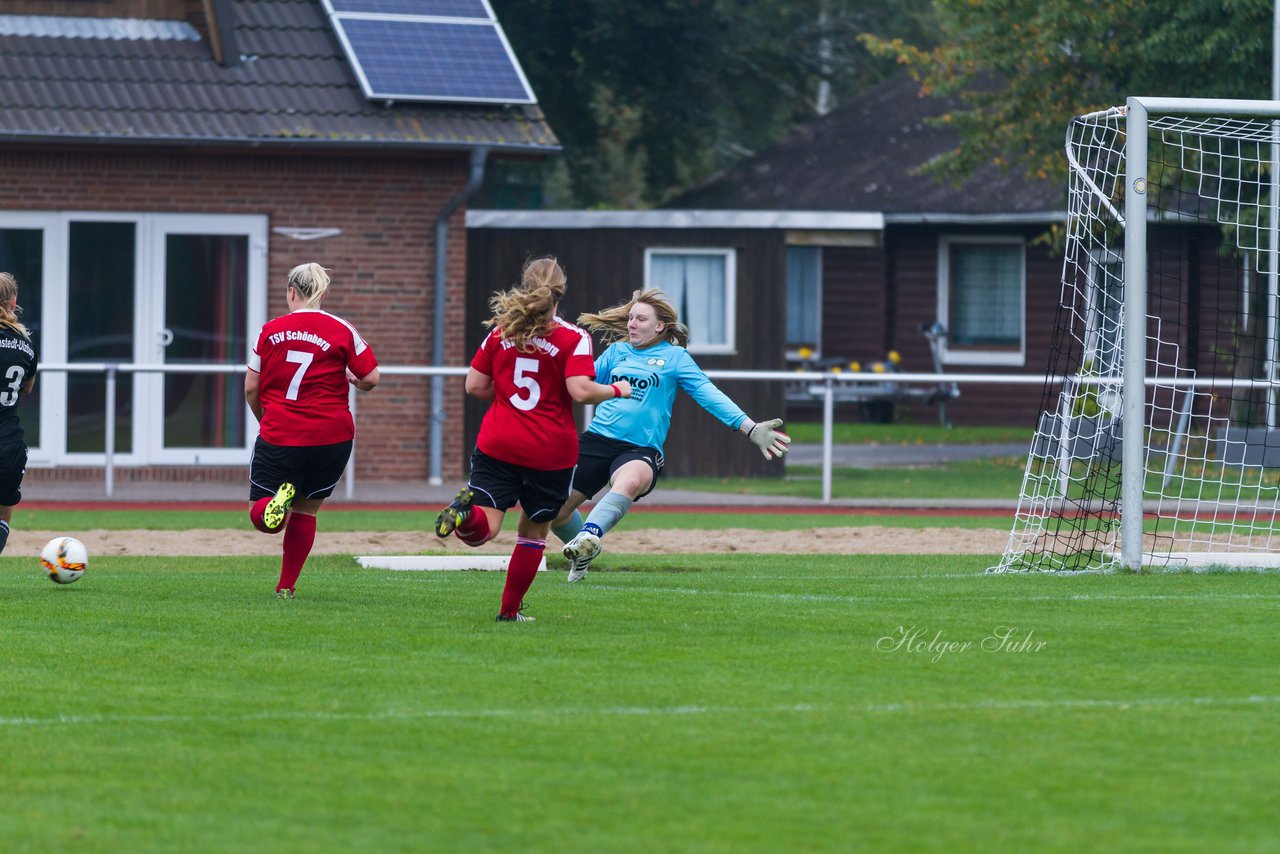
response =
{"points": [[730, 256], [968, 356]]}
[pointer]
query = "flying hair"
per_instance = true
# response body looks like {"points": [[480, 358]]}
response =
{"points": [[527, 310], [311, 281], [9, 290], [611, 323]]}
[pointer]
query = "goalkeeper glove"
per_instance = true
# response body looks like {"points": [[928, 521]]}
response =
{"points": [[766, 436]]}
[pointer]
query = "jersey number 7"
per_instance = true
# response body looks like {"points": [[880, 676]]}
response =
{"points": [[303, 360]]}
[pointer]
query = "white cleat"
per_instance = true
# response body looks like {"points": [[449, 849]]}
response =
{"points": [[580, 551]]}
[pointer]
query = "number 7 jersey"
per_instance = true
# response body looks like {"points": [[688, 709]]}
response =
{"points": [[530, 421], [302, 359]]}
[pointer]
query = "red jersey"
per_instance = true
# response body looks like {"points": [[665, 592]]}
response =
{"points": [[530, 421], [302, 358]]}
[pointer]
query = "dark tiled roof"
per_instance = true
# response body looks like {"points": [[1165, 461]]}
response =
{"points": [[293, 86], [865, 156]]}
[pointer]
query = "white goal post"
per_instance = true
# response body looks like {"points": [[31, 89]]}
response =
{"points": [[1162, 447]]}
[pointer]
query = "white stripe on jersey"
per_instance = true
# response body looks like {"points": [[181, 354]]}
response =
{"points": [[360, 345], [584, 339]]}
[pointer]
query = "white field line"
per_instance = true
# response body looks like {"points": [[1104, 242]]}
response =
{"points": [[824, 597], [579, 712]]}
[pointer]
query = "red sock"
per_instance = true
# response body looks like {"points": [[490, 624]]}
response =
{"points": [[299, 534], [475, 530], [255, 516], [523, 567]]}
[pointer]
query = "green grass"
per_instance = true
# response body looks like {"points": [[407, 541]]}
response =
{"points": [[854, 433], [682, 703], [996, 477]]}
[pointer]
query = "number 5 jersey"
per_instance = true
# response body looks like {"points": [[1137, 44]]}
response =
{"points": [[530, 421]]}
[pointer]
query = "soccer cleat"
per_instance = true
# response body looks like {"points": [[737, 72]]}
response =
{"points": [[273, 514], [455, 514], [286, 593], [580, 551], [517, 617]]}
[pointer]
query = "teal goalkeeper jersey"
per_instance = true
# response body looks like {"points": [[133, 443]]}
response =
{"points": [[655, 373]]}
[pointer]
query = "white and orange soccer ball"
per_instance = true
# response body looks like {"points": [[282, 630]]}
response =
{"points": [[65, 559]]}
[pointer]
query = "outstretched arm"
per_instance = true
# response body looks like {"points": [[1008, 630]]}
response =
{"points": [[766, 436]]}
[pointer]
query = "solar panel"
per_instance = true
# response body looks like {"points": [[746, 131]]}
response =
{"points": [[428, 8], [407, 59]]}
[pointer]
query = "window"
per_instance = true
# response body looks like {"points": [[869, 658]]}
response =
{"points": [[701, 283], [804, 299], [981, 300]]}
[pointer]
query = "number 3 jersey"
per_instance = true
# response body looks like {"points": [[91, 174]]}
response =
{"points": [[17, 367], [302, 360], [530, 421]]}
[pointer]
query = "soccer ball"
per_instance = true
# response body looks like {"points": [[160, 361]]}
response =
{"points": [[65, 559]]}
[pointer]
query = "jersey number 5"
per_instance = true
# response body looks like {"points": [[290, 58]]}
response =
{"points": [[524, 367], [15, 375], [303, 360]]}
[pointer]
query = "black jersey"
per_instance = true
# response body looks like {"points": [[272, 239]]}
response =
{"points": [[17, 367]]}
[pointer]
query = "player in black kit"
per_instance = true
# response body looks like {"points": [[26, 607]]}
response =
{"points": [[17, 377]]}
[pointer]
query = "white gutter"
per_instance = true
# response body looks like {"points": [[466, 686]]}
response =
{"points": [[824, 220]]}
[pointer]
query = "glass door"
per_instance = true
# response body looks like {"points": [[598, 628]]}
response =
{"points": [[210, 297]]}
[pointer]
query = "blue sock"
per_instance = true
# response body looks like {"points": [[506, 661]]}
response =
{"points": [[4, 534], [569, 529], [607, 513]]}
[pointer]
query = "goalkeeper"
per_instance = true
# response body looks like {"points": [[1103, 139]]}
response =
{"points": [[622, 447]]}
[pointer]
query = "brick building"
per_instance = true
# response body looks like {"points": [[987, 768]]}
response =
{"points": [[165, 163]]}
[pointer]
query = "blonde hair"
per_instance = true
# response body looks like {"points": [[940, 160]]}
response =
{"points": [[9, 290], [612, 322], [311, 281], [527, 310]]}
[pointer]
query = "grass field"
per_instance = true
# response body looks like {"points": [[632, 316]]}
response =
{"points": [[677, 703]]}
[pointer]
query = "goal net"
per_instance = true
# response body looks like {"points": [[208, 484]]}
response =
{"points": [[1195, 480]]}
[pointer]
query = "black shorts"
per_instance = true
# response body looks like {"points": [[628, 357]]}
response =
{"points": [[599, 457], [13, 465], [540, 493], [314, 470]]}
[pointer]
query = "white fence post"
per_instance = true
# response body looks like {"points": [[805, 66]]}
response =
{"points": [[109, 451]]}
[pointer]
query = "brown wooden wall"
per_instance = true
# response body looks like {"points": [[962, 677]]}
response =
{"points": [[854, 304], [604, 266]]}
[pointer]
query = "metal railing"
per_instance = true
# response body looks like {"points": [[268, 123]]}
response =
{"points": [[828, 382]]}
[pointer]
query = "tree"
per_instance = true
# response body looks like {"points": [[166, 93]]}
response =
{"points": [[1023, 68], [649, 98]]}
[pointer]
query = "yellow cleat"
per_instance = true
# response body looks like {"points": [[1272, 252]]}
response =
{"points": [[455, 514], [278, 506]]}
